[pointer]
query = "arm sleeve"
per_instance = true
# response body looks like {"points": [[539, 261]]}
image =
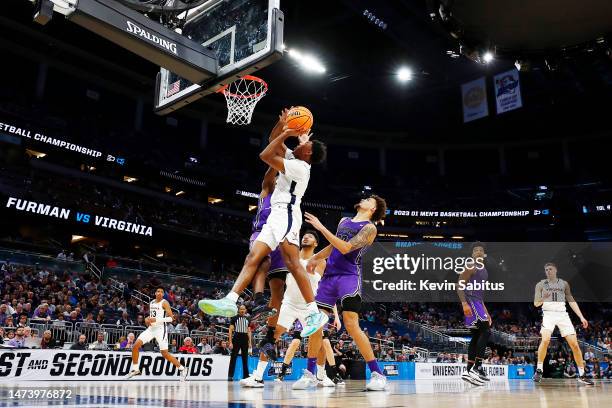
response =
{"points": [[295, 169]]}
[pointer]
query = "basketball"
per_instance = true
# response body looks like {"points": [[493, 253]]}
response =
{"points": [[300, 118]]}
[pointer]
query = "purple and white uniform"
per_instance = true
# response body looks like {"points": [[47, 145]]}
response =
{"points": [[474, 299], [342, 277], [264, 208]]}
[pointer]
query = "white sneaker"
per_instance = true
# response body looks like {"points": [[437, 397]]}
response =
{"points": [[326, 382], [314, 322], [251, 382], [378, 382], [307, 380], [183, 375], [132, 373]]}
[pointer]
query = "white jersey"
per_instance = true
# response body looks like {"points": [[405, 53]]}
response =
{"points": [[157, 311], [556, 292], [292, 183], [293, 294]]}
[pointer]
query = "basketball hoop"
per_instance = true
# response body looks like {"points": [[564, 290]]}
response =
{"points": [[242, 95]]}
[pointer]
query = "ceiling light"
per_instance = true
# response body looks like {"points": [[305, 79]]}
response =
{"points": [[487, 57], [404, 74], [307, 62], [129, 179]]}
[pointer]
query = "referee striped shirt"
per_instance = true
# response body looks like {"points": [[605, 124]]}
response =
{"points": [[240, 323]]}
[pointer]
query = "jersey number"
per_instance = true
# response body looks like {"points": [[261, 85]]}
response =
{"points": [[554, 296], [153, 313]]}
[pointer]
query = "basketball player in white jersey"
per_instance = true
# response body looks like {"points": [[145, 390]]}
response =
{"points": [[282, 229], [159, 314], [294, 308], [551, 294]]}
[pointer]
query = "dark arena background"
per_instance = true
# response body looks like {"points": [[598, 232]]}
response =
{"points": [[483, 124]]}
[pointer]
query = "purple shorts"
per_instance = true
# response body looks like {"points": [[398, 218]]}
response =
{"points": [[337, 287], [478, 313], [277, 265]]}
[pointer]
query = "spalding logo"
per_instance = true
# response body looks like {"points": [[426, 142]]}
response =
{"points": [[137, 30]]}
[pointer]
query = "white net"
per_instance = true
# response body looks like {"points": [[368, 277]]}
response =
{"points": [[242, 95]]}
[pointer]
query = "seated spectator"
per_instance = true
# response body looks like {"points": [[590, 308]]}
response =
{"points": [[81, 344], [99, 344], [128, 344], [101, 317], [9, 322], [204, 347], [222, 349], [23, 320], [17, 341], [4, 314], [42, 312], [48, 342], [173, 346], [74, 317], [188, 347], [121, 339], [125, 320], [1, 335]]}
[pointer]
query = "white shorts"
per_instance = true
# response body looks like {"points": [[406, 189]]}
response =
{"points": [[559, 319], [289, 313], [281, 225], [159, 333]]}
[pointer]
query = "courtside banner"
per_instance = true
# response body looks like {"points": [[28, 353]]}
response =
{"points": [[435, 371], [73, 365], [474, 97], [507, 91]]}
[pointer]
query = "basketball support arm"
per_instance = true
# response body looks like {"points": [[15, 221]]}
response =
{"points": [[135, 32]]}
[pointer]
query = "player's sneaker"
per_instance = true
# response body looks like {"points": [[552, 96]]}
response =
{"points": [[482, 374], [338, 380], [326, 382], [584, 380], [314, 322], [472, 377], [251, 382], [132, 373], [218, 307], [307, 380], [183, 374], [537, 377], [378, 382], [260, 315]]}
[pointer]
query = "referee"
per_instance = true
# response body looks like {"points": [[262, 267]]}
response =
{"points": [[239, 340]]}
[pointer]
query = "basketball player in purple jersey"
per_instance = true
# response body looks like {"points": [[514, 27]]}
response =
{"points": [[282, 227], [342, 282], [477, 317]]}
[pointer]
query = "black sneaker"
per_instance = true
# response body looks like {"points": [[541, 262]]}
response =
{"points": [[261, 313], [537, 377], [584, 380], [338, 380], [268, 348], [482, 374]]}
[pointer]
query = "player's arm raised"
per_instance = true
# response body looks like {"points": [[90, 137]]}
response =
{"points": [[364, 237], [537, 297], [574, 305], [278, 130], [267, 185], [272, 155], [319, 258]]}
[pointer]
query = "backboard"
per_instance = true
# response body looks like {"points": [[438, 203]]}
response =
{"points": [[246, 36]]}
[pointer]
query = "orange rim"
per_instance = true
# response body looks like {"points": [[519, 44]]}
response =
{"points": [[224, 88]]}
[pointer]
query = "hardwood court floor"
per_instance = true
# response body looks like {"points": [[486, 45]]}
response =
{"points": [[422, 393]]}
